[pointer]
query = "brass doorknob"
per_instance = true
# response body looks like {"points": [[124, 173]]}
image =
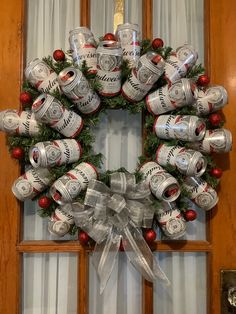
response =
{"points": [[232, 296]]}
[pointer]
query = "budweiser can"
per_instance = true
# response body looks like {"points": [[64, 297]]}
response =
{"points": [[109, 58], [150, 67], [185, 128], [61, 221], [163, 185], [189, 162], [178, 63], [41, 76], [171, 220], [129, 37], [75, 86], [201, 193], [56, 153], [31, 183], [83, 48], [49, 110], [214, 141], [66, 188], [19, 122], [171, 97], [210, 100]]}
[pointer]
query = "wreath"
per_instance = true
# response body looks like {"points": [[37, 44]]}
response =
{"points": [[63, 98]]}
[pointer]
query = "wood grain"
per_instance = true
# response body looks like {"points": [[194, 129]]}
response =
{"points": [[147, 19], [83, 280], [85, 13]]}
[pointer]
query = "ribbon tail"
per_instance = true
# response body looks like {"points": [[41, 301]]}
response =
{"points": [[104, 257], [140, 255]]}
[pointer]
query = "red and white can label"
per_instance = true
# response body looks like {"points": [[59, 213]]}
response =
{"points": [[70, 125], [110, 82]]}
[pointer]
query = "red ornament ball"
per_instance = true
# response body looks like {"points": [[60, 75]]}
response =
{"points": [[17, 153], [44, 202], [190, 215], [25, 98], [216, 172], [215, 119], [83, 238], [150, 236], [157, 43], [109, 36], [58, 55], [203, 80]]}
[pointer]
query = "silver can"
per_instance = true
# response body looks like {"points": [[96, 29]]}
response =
{"points": [[83, 48], [210, 100], [163, 185], [149, 68], [171, 97], [19, 122], [67, 188], [189, 162], [201, 193], [214, 141], [185, 128], [170, 220], [178, 63], [41, 76], [56, 153], [49, 110], [129, 37], [109, 58], [75, 86], [61, 220], [31, 183]]}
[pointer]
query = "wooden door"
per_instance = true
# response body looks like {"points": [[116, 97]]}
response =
{"points": [[220, 25]]}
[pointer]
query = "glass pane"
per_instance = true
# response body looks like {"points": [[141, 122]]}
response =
{"points": [[50, 283], [123, 293], [188, 289], [49, 23]]}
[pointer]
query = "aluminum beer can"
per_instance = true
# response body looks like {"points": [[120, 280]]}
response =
{"points": [[75, 86], [19, 122], [149, 68], [56, 153], [201, 193], [185, 128], [31, 183], [214, 141], [163, 185], [83, 48], [67, 188], [170, 220], [189, 162], [49, 110], [41, 76], [61, 220], [129, 37], [171, 97], [210, 100], [178, 63], [109, 58]]}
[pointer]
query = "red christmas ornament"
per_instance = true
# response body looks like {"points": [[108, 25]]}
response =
{"points": [[215, 119], [216, 172], [17, 153], [157, 43], [190, 215], [203, 80], [83, 238], [150, 236], [25, 98], [58, 55], [44, 202], [109, 36]]}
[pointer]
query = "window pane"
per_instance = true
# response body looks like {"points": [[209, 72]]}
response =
{"points": [[123, 293], [50, 283], [188, 290]]}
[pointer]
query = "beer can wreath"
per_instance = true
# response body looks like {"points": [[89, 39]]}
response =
{"points": [[63, 97]]}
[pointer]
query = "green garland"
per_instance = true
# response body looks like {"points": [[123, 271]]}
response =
{"points": [[87, 138]]}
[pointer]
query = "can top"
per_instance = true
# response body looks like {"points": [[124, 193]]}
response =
{"points": [[59, 228], [110, 47], [187, 54], [37, 155], [41, 104], [69, 77], [189, 89], [134, 27], [31, 65]]}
